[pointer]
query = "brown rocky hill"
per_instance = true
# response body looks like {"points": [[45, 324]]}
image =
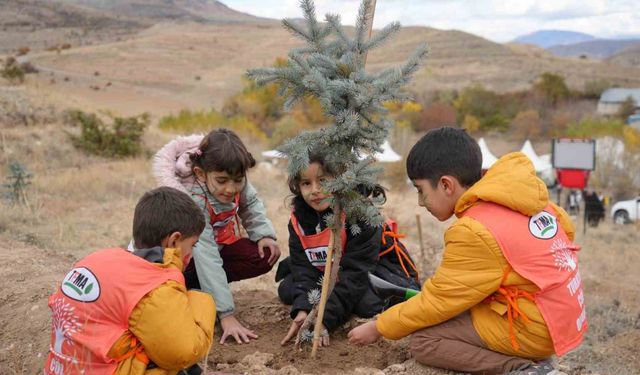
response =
{"points": [[174, 65], [630, 57], [161, 56], [42, 24], [186, 10], [38, 25]]}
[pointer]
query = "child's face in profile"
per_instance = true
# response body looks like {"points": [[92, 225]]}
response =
{"points": [[435, 200], [311, 180], [223, 186]]}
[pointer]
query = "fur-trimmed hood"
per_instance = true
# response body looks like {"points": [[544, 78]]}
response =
{"points": [[171, 165]]}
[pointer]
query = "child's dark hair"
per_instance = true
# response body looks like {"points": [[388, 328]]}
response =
{"points": [[163, 211], [222, 151], [445, 151], [294, 181]]}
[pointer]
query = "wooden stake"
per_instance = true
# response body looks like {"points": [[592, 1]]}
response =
{"points": [[323, 296], [419, 224], [331, 268], [373, 12]]}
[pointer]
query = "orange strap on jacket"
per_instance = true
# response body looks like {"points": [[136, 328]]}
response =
{"points": [[398, 250], [510, 295], [134, 348]]}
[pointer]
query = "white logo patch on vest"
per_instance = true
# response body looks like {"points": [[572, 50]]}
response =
{"points": [[222, 223], [81, 284], [317, 255], [543, 225]]}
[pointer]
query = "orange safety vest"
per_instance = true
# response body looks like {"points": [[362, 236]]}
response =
{"points": [[538, 249], [223, 223], [390, 229], [91, 309], [316, 245]]}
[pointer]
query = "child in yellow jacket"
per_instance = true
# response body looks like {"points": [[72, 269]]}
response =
{"points": [[126, 313], [507, 294]]}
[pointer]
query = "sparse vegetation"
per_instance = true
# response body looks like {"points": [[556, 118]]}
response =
{"points": [[12, 71], [627, 108], [593, 89], [18, 179], [21, 51], [121, 138], [552, 87]]}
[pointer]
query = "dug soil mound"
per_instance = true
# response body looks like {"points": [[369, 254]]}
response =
{"points": [[269, 318]]}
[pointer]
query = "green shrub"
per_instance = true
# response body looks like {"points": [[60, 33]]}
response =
{"points": [[121, 138], [593, 89], [496, 121], [18, 180], [596, 127], [553, 87], [12, 71], [187, 121]]}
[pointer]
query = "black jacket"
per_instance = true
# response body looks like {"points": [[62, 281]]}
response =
{"points": [[360, 257]]}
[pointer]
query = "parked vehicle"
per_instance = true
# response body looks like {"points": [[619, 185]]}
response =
{"points": [[625, 212]]}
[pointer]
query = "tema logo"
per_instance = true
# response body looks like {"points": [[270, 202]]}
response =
{"points": [[543, 225], [81, 284]]}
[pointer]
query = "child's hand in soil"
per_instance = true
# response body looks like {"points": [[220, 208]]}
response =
{"points": [[232, 327], [273, 248], [295, 327], [364, 334]]}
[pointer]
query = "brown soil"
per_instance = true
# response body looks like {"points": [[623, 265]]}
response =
{"points": [[270, 320]]}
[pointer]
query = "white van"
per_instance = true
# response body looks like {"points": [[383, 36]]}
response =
{"points": [[624, 212]]}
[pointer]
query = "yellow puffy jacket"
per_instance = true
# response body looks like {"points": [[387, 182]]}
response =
{"points": [[175, 327], [473, 266]]}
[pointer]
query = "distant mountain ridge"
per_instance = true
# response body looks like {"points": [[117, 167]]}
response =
{"points": [[549, 38], [187, 10], [597, 49]]}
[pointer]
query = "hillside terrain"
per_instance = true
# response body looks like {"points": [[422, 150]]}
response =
{"points": [[629, 57], [595, 49], [170, 66], [161, 56], [549, 38], [183, 10]]}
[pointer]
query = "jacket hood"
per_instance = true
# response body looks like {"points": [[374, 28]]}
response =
{"points": [[510, 182], [171, 165]]}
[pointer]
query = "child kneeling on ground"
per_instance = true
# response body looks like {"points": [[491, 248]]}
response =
{"points": [[507, 294], [121, 313], [375, 250]]}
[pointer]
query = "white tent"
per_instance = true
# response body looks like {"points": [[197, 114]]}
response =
{"points": [[387, 155], [547, 175], [487, 157], [538, 164], [274, 154]]}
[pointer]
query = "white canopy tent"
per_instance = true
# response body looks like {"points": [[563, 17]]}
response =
{"points": [[274, 154], [386, 156], [539, 164], [488, 159]]}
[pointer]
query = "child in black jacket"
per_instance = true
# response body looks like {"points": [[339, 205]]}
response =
{"points": [[375, 249]]}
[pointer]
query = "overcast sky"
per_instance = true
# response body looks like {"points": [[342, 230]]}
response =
{"points": [[497, 20]]}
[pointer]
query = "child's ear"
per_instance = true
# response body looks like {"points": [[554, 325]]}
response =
{"points": [[200, 174], [171, 241], [448, 184]]}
